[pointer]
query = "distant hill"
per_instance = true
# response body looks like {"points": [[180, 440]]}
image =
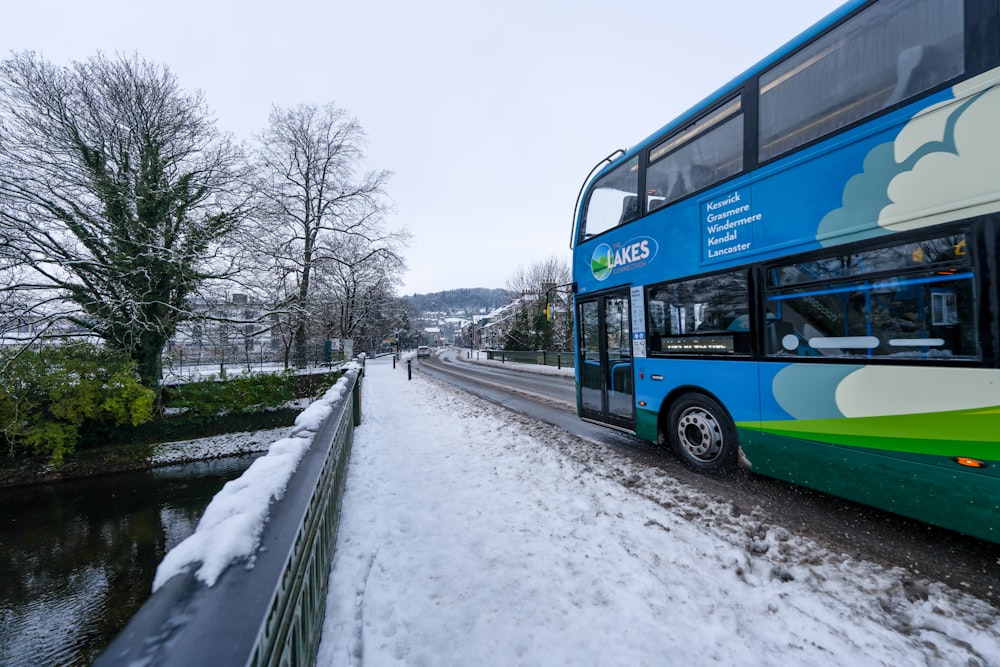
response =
{"points": [[461, 301]]}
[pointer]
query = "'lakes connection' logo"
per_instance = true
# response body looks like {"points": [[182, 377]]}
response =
{"points": [[620, 257]]}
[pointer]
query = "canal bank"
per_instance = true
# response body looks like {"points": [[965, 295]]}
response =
{"points": [[130, 458]]}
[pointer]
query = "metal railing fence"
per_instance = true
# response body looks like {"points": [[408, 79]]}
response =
{"points": [[270, 613], [539, 357]]}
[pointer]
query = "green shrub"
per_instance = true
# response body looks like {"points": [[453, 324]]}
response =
{"points": [[314, 385], [250, 393], [47, 395], [187, 427]]}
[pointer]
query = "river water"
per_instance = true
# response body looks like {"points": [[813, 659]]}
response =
{"points": [[77, 558]]}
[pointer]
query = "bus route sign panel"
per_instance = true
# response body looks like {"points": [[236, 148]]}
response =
{"points": [[638, 322], [727, 225]]}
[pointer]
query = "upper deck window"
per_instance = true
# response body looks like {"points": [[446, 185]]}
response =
{"points": [[890, 52], [613, 200], [709, 151]]}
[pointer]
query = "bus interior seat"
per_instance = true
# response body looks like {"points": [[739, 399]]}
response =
{"points": [[689, 178], [779, 329], [918, 68], [678, 186], [655, 341], [630, 209], [699, 176], [906, 66]]}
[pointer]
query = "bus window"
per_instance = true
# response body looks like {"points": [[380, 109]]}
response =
{"points": [[890, 52], [922, 307], [708, 152], [613, 200], [708, 315]]}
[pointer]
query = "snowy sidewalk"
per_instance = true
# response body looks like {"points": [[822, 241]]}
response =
{"points": [[470, 536]]}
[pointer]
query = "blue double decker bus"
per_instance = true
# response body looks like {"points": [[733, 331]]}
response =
{"points": [[800, 274]]}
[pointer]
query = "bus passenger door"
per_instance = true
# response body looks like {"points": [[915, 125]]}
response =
{"points": [[604, 359]]}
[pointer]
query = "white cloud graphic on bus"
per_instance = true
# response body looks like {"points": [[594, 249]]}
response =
{"points": [[947, 152], [619, 257], [964, 168]]}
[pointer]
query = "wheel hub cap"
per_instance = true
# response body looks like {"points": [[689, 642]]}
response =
{"points": [[700, 434]]}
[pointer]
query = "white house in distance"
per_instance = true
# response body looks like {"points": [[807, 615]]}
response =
{"points": [[431, 336]]}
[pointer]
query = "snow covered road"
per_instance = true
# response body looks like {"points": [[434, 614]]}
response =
{"points": [[471, 535]]}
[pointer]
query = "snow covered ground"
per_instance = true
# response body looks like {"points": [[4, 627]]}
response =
{"points": [[213, 447], [473, 536]]}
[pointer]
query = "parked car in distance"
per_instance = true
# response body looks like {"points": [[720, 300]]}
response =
{"points": [[423, 351]]}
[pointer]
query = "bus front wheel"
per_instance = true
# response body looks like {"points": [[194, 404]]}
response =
{"points": [[701, 434]]}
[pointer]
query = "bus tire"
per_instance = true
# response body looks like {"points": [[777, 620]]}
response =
{"points": [[702, 435]]}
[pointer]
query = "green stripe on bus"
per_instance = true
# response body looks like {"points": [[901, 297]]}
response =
{"points": [[970, 433]]}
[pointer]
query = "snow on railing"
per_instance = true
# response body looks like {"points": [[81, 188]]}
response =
{"points": [[232, 523], [279, 521]]}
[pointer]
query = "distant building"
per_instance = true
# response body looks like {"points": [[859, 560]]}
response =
{"points": [[233, 330]]}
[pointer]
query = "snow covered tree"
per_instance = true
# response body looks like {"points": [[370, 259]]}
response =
{"points": [[116, 195], [358, 282], [545, 319], [308, 158]]}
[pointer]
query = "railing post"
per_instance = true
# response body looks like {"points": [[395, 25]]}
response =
{"points": [[356, 400]]}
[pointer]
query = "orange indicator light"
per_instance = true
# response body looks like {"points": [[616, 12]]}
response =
{"points": [[970, 463]]}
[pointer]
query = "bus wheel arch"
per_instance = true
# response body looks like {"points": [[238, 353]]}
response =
{"points": [[699, 430]]}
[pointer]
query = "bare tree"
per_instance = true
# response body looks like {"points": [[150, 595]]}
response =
{"points": [[359, 280], [116, 195], [545, 318], [308, 157]]}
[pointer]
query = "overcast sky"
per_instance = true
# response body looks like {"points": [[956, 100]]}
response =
{"points": [[489, 114]]}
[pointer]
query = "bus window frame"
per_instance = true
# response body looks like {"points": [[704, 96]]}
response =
{"points": [[972, 263], [711, 119], [971, 66], [731, 108], [627, 164], [712, 336]]}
